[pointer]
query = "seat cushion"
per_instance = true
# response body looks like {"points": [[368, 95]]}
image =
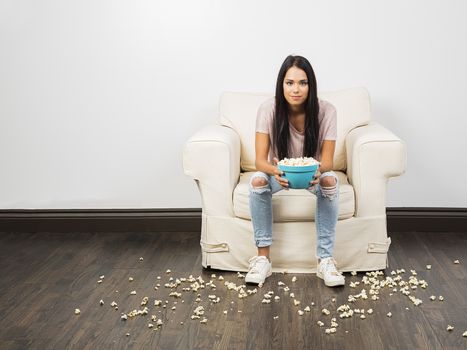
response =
{"points": [[293, 205]]}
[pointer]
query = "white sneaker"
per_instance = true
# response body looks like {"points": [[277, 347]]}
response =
{"points": [[260, 269], [327, 271]]}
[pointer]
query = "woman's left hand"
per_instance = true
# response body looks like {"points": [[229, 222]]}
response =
{"points": [[316, 179]]}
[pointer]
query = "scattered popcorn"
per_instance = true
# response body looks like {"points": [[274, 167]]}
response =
{"points": [[428, 267], [102, 277], [130, 279], [353, 273], [464, 334], [441, 298], [100, 281], [389, 314], [77, 311], [266, 301], [300, 312], [113, 304], [307, 309], [204, 321], [141, 259], [294, 279], [456, 261], [280, 283], [369, 311], [124, 317], [362, 317], [168, 271], [321, 324], [292, 295], [325, 311], [239, 275], [333, 300], [277, 317], [296, 302], [449, 328], [225, 312], [158, 277], [133, 292], [276, 298], [127, 334], [101, 302], [415, 300], [199, 311]]}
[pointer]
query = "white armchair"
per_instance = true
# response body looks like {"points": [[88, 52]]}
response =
{"points": [[220, 158]]}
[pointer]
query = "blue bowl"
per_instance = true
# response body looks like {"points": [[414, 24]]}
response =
{"points": [[299, 177]]}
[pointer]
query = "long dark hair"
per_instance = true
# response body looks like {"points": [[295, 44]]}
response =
{"points": [[281, 130]]}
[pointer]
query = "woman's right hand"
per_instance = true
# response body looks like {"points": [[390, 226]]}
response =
{"points": [[278, 175]]}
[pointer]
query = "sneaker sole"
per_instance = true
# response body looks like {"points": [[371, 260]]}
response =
{"points": [[331, 284], [257, 280]]}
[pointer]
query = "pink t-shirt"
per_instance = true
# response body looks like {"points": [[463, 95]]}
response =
{"points": [[327, 127]]}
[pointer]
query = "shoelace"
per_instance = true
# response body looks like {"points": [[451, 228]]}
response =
{"points": [[254, 265], [331, 266]]}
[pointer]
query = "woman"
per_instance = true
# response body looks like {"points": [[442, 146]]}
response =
{"points": [[295, 124]]}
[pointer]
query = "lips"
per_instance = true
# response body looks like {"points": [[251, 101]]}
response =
{"points": [[296, 97]]}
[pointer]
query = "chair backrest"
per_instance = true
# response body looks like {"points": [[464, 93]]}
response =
{"points": [[238, 111]]}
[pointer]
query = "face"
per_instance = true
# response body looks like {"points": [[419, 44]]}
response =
{"points": [[295, 86]]}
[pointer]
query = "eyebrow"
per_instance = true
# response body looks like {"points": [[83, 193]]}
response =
{"points": [[298, 80]]}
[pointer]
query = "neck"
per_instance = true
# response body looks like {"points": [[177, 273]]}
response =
{"points": [[295, 111]]}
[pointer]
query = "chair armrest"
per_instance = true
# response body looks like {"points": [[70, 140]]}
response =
{"points": [[374, 154], [212, 158]]}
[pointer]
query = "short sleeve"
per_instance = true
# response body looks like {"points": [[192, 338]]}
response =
{"points": [[264, 117], [329, 122]]}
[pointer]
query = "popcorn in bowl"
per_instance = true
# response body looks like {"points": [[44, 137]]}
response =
{"points": [[302, 161]]}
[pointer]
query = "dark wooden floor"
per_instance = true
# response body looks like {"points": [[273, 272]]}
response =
{"points": [[44, 277]]}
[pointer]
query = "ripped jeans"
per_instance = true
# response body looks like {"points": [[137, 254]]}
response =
{"points": [[325, 218]]}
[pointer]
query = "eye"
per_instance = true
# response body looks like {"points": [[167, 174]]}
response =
{"points": [[288, 83], [303, 83]]}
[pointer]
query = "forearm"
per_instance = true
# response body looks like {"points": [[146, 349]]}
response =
{"points": [[265, 167], [325, 166]]}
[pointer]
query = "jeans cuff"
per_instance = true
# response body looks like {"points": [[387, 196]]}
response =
{"points": [[261, 243]]}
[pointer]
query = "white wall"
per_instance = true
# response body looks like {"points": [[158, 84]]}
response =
{"points": [[98, 97]]}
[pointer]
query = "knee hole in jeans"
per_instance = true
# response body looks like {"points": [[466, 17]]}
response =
{"points": [[259, 182], [328, 181], [328, 187]]}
